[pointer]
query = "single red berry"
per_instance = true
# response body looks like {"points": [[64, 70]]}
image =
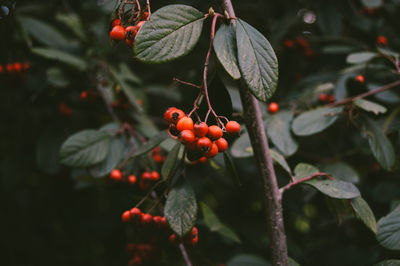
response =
{"points": [[131, 32], [204, 144], [273, 108], [146, 218], [187, 136], [157, 220], [116, 22], [132, 179], [164, 222], [331, 98], [140, 24], [174, 239], [168, 114], [130, 43], [214, 132], [117, 33], [158, 158], [146, 176], [116, 174], [195, 240], [288, 43], [222, 144], [26, 65], [203, 159], [1, 69], [200, 129], [323, 97], [382, 40], [18, 66], [126, 216], [232, 127], [135, 213], [360, 78], [212, 152], [84, 95], [10, 68], [155, 176], [185, 123], [177, 115], [145, 15]]}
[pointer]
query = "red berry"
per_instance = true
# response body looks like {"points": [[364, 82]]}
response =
{"points": [[200, 129], [145, 15], [136, 260], [185, 123], [135, 213], [382, 40], [130, 43], [232, 127], [331, 98], [174, 239], [323, 97], [10, 67], [204, 144], [1, 68], [64, 109], [157, 220], [222, 144], [203, 159], [84, 95], [158, 158], [26, 65], [116, 22], [146, 176], [146, 218], [168, 114], [126, 216], [177, 115], [140, 24], [214, 132], [18, 66], [155, 176], [192, 238], [117, 33], [288, 43], [273, 108], [212, 152], [132, 179], [360, 78], [164, 222], [116, 174], [131, 32], [187, 136]]}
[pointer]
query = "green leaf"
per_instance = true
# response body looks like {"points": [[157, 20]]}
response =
{"points": [[278, 130], [61, 56], [388, 263], [181, 209], [169, 164], [257, 61], [389, 230], [73, 22], [215, 225], [370, 106], [226, 50], [277, 157], [315, 121], [151, 143], [341, 171], [85, 148], [364, 213], [360, 57], [247, 260], [241, 148], [292, 262], [372, 3], [57, 77], [172, 32], [118, 150], [332, 188], [380, 145], [44, 33]]}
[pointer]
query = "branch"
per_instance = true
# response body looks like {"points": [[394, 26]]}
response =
{"points": [[296, 182]]}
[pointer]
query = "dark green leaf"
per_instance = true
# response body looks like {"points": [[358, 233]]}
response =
{"points": [[257, 61], [57, 78], [372, 3], [85, 148], [63, 57], [341, 171], [360, 57], [151, 143], [277, 157], [303, 170], [226, 50], [73, 22], [370, 106], [364, 213], [241, 148], [380, 145], [172, 32], [247, 260], [278, 130], [169, 164], [389, 230], [388, 263], [181, 209], [315, 121]]}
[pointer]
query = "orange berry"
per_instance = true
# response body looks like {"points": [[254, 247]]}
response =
{"points": [[382, 40], [176, 115], [273, 108], [212, 152], [360, 78], [204, 144], [131, 32], [185, 123], [187, 136], [232, 127], [222, 144], [200, 129], [117, 33], [140, 24], [168, 114], [126, 216], [132, 179], [214, 132], [116, 174]]}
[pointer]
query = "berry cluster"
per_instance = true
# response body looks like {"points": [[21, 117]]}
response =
{"points": [[119, 32], [190, 239], [140, 253], [14, 68], [202, 141], [326, 98], [146, 179], [302, 43], [157, 156]]}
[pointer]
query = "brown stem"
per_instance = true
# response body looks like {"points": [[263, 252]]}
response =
{"points": [[366, 94], [296, 182], [272, 196]]}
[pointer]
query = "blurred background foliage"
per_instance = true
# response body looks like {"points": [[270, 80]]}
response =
{"points": [[52, 215]]}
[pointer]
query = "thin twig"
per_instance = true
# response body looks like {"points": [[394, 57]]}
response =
{"points": [[296, 182]]}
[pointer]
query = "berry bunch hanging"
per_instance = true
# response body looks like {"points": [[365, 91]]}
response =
{"points": [[146, 179]]}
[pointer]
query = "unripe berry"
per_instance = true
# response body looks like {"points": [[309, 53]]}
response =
{"points": [[200, 129], [222, 144], [187, 136], [185, 123], [116, 174], [232, 127], [214, 132], [212, 152], [273, 108], [117, 33], [126, 216], [204, 144]]}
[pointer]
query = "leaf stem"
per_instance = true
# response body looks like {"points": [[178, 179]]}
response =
{"points": [[296, 182]]}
